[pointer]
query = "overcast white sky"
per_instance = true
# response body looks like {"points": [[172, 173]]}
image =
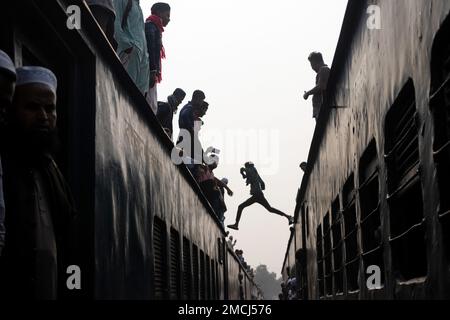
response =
{"points": [[250, 58]]}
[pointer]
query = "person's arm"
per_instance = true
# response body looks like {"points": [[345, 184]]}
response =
{"points": [[223, 185], [321, 86], [244, 173], [317, 89], [151, 34]]}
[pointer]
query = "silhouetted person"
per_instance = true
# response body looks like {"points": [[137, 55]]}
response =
{"points": [[187, 121], [40, 208], [154, 28], [131, 43], [223, 185], [104, 13], [166, 110], [323, 73], [256, 190], [231, 242], [7, 86]]}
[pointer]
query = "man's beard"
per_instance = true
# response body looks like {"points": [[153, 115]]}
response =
{"points": [[34, 142], [41, 142]]}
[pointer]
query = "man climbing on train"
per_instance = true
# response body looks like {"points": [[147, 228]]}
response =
{"points": [[257, 196]]}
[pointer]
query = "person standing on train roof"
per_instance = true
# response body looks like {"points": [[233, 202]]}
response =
{"points": [[187, 122], [186, 119], [154, 28], [129, 32], [7, 86], [103, 11], [166, 110], [257, 186], [41, 212], [318, 92]]}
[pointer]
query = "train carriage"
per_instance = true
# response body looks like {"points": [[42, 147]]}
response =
{"points": [[374, 198], [148, 231]]}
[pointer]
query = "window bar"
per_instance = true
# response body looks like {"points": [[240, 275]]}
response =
{"points": [[404, 185], [415, 226]]}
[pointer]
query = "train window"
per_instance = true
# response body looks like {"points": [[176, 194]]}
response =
{"points": [[187, 278], [307, 220], [303, 221], [320, 262], [440, 107], [350, 234], [337, 246], [369, 200], [208, 277], [217, 281], [174, 263], [407, 223], [195, 273], [328, 254], [202, 276], [159, 252], [221, 249], [213, 280]]}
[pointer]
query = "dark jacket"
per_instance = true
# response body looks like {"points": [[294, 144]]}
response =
{"points": [[154, 45], [19, 260], [186, 118], [165, 115]]}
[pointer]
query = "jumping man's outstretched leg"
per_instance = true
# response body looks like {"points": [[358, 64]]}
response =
{"points": [[263, 201], [241, 207]]}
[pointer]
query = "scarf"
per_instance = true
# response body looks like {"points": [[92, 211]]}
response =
{"points": [[157, 21]]}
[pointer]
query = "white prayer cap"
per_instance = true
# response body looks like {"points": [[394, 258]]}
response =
{"points": [[32, 74], [6, 64]]}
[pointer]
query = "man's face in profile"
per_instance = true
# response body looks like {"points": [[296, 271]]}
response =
{"points": [[165, 16]]}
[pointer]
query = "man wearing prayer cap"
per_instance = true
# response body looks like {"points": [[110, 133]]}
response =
{"points": [[40, 207], [7, 84]]}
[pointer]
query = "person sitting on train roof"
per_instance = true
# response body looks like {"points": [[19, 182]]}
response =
{"points": [[231, 243], [154, 28], [38, 238], [257, 186], [166, 110], [323, 73], [7, 86], [210, 186], [103, 11], [240, 255], [131, 42]]}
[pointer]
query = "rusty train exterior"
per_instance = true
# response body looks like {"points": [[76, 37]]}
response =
{"points": [[148, 230], [376, 190]]}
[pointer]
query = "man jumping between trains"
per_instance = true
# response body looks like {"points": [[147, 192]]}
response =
{"points": [[257, 196]]}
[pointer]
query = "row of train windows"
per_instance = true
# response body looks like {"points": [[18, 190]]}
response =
{"points": [[339, 251], [338, 254], [188, 273]]}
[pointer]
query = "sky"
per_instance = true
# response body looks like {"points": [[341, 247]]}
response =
{"points": [[250, 59]]}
